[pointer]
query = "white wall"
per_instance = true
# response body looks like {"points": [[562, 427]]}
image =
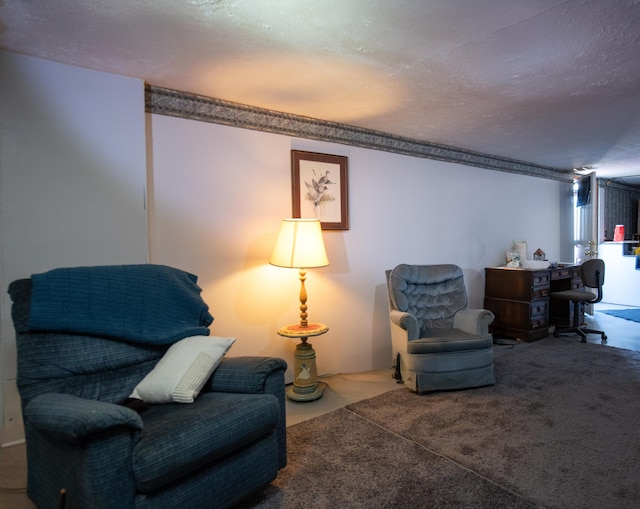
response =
{"points": [[621, 278], [72, 163], [72, 182], [219, 194]]}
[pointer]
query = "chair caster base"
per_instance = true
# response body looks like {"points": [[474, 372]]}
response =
{"points": [[583, 337]]}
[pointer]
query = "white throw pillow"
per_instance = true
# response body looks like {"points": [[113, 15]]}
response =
{"points": [[183, 370]]}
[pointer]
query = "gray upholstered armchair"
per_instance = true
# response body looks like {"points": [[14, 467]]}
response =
{"points": [[86, 338], [438, 343]]}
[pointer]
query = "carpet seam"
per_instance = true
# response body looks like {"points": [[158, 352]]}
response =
{"points": [[450, 460]]}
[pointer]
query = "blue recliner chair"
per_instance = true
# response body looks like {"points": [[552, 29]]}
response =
{"points": [[86, 337], [438, 342]]}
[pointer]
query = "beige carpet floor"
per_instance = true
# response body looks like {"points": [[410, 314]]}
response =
{"points": [[560, 429]]}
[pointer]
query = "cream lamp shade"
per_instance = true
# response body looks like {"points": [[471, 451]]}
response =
{"points": [[299, 245]]}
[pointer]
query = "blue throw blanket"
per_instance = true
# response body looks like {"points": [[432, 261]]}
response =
{"points": [[141, 303]]}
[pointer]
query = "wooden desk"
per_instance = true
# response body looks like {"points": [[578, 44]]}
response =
{"points": [[519, 299]]}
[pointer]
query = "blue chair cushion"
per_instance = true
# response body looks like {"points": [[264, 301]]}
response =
{"points": [[178, 439], [448, 340]]}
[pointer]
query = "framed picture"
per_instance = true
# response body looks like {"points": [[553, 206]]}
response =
{"points": [[320, 188]]}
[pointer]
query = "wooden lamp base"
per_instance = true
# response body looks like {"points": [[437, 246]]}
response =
{"points": [[305, 383]]}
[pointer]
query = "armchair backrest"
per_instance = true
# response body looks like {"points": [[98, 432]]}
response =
{"points": [[432, 293], [86, 364], [592, 276]]}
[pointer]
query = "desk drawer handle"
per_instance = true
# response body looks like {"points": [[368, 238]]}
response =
{"points": [[538, 322]]}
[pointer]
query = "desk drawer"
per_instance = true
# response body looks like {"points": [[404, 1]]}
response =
{"points": [[518, 314], [540, 285], [540, 292], [539, 314], [540, 279], [517, 284], [562, 273]]}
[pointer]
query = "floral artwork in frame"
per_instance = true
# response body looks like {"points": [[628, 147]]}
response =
{"points": [[320, 188]]}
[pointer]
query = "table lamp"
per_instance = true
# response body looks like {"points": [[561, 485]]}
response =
{"points": [[299, 245]]}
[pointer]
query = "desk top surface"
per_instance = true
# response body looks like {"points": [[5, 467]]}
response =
{"points": [[560, 266]]}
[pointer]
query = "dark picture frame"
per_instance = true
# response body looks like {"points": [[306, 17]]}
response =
{"points": [[320, 188]]}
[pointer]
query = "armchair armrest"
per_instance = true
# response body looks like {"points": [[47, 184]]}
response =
{"points": [[255, 375], [473, 321], [405, 321], [245, 374], [71, 419]]}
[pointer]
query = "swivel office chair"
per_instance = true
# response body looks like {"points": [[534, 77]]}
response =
{"points": [[592, 275]]}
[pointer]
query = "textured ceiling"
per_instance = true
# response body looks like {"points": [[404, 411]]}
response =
{"points": [[549, 82]]}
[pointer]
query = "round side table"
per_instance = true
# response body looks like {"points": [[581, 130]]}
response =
{"points": [[305, 383]]}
